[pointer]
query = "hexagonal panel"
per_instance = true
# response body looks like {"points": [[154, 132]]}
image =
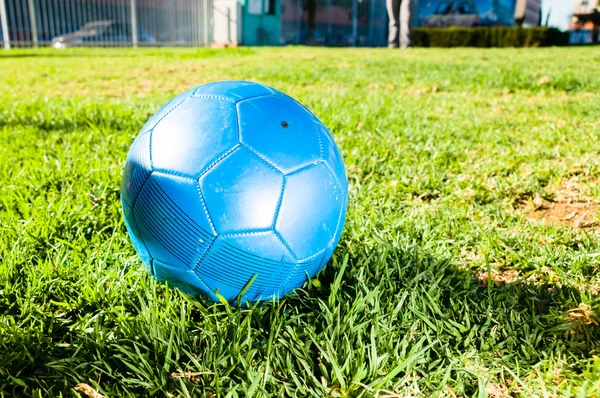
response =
{"points": [[135, 236], [137, 168], [258, 245], [151, 123], [241, 192], [304, 271], [234, 260], [340, 226], [171, 219], [295, 101], [280, 130], [184, 279], [193, 135], [310, 209], [332, 156], [233, 90]]}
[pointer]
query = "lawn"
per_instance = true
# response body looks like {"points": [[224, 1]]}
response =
{"points": [[468, 265]]}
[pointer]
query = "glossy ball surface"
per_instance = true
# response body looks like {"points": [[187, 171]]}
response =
{"points": [[234, 184]]}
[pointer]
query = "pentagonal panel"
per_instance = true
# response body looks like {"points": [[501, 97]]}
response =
{"points": [[310, 209], [233, 90], [151, 123], [171, 219], [234, 260], [241, 192], [137, 168], [332, 156], [280, 130], [193, 135]]}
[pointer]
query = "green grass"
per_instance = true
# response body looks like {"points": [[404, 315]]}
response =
{"points": [[444, 151]]}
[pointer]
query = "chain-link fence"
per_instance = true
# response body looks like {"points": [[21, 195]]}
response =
{"points": [[112, 23], [72, 23]]}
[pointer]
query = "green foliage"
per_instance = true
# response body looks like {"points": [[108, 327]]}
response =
{"points": [[444, 148], [497, 36]]}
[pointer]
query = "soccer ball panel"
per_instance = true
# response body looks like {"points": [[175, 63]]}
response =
{"points": [[184, 279], [185, 204], [310, 210], [332, 157], [340, 226], [262, 245], [304, 271], [135, 236], [280, 131], [298, 104], [171, 234], [137, 168], [234, 260], [153, 121], [233, 90], [203, 126], [241, 192]]}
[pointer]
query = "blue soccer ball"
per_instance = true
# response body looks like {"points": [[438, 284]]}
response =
{"points": [[234, 187]]}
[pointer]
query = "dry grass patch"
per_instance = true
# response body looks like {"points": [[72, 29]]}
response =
{"points": [[571, 206], [583, 315], [498, 276]]}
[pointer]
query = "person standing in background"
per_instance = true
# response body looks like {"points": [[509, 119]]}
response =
{"points": [[310, 9], [399, 13]]}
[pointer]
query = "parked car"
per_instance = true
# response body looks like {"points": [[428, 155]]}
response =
{"points": [[452, 13], [181, 35], [100, 31]]}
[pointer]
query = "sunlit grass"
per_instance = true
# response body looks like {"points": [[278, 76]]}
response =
{"points": [[440, 285]]}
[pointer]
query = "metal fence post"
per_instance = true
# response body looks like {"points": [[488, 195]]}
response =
{"points": [[229, 25], [205, 23], [33, 23], [134, 31], [4, 25]]}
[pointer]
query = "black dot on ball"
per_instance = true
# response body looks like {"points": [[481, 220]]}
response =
{"points": [[284, 124]]}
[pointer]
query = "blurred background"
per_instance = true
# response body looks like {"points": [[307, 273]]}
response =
{"points": [[194, 23]]}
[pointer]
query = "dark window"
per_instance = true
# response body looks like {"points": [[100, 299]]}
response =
{"points": [[270, 7]]}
